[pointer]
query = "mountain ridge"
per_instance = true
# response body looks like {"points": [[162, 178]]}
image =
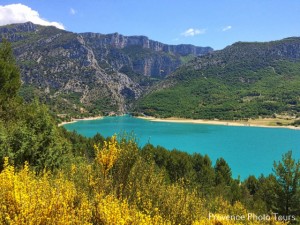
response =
{"points": [[96, 73], [90, 72]]}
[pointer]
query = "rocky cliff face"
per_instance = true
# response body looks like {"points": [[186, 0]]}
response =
{"points": [[119, 41], [140, 54], [91, 72]]}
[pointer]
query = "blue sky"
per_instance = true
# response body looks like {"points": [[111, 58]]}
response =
{"points": [[215, 23]]}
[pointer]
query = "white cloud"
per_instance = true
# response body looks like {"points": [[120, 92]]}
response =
{"points": [[192, 32], [73, 11], [19, 13], [226, 28]]}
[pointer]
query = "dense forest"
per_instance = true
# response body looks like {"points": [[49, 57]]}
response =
{"points": [[242, 81], [52, 176]]}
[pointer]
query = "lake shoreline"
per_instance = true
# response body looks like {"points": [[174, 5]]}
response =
{"points": [[73, 120], [215, 122], [249, 123]]}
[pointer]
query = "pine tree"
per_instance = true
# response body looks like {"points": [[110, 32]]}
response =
{"points": [[223, 173], [288, 178]]}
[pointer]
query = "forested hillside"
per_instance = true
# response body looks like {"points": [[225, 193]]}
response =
{"points": [[244, 80], [51, 176]]}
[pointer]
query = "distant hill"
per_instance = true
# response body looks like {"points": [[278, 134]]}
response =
{"points": [[91, 72], [243, 80]]}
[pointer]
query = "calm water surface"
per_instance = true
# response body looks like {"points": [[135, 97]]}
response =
{"points": [[247, 150]]}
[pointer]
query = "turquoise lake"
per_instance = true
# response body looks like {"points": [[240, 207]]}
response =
{"points": [[247, 150]]}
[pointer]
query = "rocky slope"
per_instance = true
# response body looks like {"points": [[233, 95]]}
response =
{"points": [[91, 72]]}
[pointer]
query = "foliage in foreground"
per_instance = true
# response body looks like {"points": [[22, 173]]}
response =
{"points": [[89, 194]]}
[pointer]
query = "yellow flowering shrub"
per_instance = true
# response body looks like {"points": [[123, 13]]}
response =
{"points": [[150, 193], [123, 167], [28, 199], [179, 205], [110, 211], [107, 155]]}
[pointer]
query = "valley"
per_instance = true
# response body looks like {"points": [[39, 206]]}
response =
{"points": [[90, 74]]}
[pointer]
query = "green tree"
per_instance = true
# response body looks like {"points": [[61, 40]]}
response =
{"points": [[34, 137], [287, 174], [223, 180], [10, 81], [204, 172], [235, 193], [222, 172], [264, 197], [252, 184], [28, 132], [179, 166]]}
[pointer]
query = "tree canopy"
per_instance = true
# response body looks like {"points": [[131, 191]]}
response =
{"points": [[10, 81]]}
